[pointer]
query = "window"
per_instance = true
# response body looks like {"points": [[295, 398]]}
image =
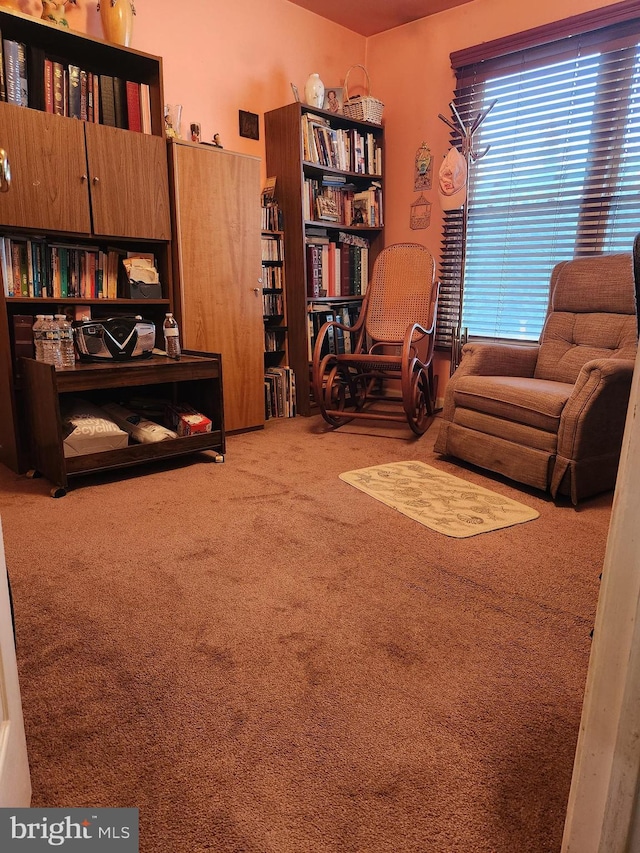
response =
{"points": [[561, 176]]}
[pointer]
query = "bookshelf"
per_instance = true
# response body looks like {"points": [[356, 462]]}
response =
{"points": [[274, 307], [329, 173], [83, 185]]}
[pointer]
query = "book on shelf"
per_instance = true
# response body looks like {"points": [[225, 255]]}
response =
{"points": [[3, 85], [73, 91], [120, 102], [280, 390], [145, 107], [12, 71], [133, 106], [107, 100]]}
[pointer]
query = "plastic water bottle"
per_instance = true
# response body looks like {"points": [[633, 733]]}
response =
{"points": [[51, 341], [67, 352], [171, 336], [37, 337]]}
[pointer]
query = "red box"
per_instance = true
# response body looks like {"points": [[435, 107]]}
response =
{"points": [[185, 420]]}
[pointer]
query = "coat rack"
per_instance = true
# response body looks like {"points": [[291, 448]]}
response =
{"points": [[466, 132]]}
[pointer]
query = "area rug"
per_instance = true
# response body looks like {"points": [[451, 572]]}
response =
{"points": [[439, 500]]}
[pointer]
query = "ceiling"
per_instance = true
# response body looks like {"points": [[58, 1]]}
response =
{"points": [[369, 17]]}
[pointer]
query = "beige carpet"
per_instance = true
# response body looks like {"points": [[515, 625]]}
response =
{"points": [[439, 500]]}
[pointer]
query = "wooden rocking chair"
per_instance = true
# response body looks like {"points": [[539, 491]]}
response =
{"points": [[392, 343]]}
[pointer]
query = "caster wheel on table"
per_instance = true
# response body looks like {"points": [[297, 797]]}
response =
{"points": [[58, 492], [218, 457], [33, 474]]}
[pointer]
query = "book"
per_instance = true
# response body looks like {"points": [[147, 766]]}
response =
{"points": [[107, 102], [83, 94], [12, 71], [3, 87], [22, 74], [48, 85], [58, 88], [120, 102], [73, 94], [145, 107], [133, 106]]}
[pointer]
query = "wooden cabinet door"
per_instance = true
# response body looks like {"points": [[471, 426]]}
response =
{"points": [[217, 208], [129, 183], [48, 172]]}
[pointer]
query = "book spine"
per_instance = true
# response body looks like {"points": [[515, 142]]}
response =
{"points": [[96, 99], [107, 104], [90, 114], [73, 78], [83, 94], [48, 86], [3, 85], [133, 106], [10, 50], [58, 88], [120, 102], [22, 74]]}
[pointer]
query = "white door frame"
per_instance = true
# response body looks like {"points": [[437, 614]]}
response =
{"points": [[15, 782], [602, 809]]}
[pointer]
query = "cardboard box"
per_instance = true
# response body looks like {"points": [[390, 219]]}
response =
{"points": [[187, 421]]}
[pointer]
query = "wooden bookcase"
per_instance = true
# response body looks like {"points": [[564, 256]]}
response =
{"points": [[285, 160], [274, 308], [83, 184]]}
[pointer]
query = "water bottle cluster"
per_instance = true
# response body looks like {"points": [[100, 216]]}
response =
{"points": [[53, 339]]}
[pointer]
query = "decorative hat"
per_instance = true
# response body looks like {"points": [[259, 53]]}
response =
{"points": [[453, 180]]}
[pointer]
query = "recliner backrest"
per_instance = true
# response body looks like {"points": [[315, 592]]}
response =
{"points": [[592, 314]]}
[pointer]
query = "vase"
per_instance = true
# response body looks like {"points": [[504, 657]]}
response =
{"points": [[117, 20], [55, 11], [314, 90]]}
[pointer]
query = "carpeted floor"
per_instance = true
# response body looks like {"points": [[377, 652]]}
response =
{"points": [[265, 660]]}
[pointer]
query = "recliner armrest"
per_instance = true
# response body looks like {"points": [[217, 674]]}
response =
{"points": [[489, 359]]}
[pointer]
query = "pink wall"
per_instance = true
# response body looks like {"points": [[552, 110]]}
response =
{"points": [[412, 72]]}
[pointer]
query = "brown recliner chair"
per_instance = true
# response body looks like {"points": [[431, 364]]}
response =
{"points": [[552, 416]]}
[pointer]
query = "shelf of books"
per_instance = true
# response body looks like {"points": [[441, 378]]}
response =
{"points": [[54, 70], [329, 170]]}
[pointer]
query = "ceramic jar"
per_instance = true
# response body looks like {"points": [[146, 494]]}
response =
{"points": [[314, 91], [117, 20]]}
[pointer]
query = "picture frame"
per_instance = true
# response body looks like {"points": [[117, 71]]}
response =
{"points": [[194, 128], [333, 99], [296, 93], [249, 126]]}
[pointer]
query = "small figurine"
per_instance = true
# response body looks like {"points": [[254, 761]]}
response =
{"points": [[54, 10], [216, 140]]}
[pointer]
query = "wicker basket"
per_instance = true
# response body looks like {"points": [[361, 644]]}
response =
{"points": [[362, 107]]}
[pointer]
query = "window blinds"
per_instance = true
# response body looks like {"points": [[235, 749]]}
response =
{"points": [[561, 177]]}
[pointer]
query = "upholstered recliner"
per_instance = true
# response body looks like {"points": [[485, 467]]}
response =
{"points": [[552, 415]]}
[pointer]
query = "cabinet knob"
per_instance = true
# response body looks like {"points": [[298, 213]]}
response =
{"points": [[96, 181], [83, 178], [256, 290], [5, 171]]}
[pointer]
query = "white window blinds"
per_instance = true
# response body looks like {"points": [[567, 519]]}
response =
{"points": [[561, 177]]}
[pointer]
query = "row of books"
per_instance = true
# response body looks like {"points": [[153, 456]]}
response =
{"points": [[336, 267], [272, 305], [272, 277], [68, 90], [271, 247], [345, 149], [271, 217], [337, 340], [274, 340], [39, 269], [343, 205], [279, 392]]}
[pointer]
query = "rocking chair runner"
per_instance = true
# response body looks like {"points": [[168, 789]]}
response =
{"points": [[394, 338]]}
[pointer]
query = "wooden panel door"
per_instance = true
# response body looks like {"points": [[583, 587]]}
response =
{"points": [[217, 213], [129, 183], [48, 172]]}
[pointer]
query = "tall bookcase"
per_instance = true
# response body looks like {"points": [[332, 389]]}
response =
{"points": [[84, 185], [337, 163]]}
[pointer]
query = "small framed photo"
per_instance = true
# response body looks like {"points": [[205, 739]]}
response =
{"points": [[333, 99], [248, 124], [195, 131]]}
